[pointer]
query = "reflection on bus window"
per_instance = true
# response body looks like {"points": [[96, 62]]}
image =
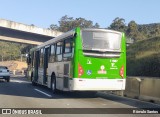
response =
{"points": [[41, 57], [68, 45], [59, 51], [52, 53]]}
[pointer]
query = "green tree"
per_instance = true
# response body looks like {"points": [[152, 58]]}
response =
{"points": [[132, 30], [155, 31], [96, 25], [54, 27], [7, 49], [67, 23], [118, 24]]}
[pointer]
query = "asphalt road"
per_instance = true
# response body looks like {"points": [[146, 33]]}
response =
{"points": [[19, 93]]}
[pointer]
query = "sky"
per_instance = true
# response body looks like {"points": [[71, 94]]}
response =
{"points": [[43, 13]]}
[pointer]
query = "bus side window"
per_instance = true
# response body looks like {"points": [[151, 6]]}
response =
{"points": [[52, 53], [32, 59], [49, 53], [67, 52], [59, 51], [41, 57], [38, 54]]}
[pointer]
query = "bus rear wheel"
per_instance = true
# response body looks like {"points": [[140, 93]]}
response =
{"points": [[53, 84]]}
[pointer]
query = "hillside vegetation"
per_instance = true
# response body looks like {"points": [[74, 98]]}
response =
{"points": [[149, 30], [12, 51], [14, 65], [143, 58]]}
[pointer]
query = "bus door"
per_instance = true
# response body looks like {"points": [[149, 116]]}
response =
{"points": [[41, 66], [36, 64], [45, 66]]}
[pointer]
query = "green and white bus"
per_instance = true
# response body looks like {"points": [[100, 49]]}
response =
{"points": [[80, 60]]}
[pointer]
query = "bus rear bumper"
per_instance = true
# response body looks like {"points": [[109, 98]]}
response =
{"points": [[79, 84]]}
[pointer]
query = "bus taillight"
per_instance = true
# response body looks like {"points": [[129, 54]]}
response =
{"points": [[121, 72], [80, 70]]}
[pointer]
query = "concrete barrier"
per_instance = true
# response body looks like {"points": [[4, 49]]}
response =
{"points": [[150, 90], [143, 88], [132, 87]]}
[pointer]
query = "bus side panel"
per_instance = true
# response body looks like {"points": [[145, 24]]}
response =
{"points": [[62, 76], [40, 75], [66, 75], [124, 53], [78, 45], [52, 69], [59, 75]]}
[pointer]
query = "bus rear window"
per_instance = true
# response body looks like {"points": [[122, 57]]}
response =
{"points": [[101, 40]]}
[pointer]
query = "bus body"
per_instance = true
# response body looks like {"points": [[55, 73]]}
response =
{"points": [[81, 60]]}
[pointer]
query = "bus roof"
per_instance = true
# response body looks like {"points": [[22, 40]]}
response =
{"points": [[101, 29], [65, 35]]}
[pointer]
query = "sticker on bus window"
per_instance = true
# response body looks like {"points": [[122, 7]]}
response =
{"points": [[102, 70]]}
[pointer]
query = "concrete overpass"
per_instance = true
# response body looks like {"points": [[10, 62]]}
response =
{"points": [[22, 33]]}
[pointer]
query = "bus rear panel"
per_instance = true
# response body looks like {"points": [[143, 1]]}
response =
{"points": [[100, 60]]}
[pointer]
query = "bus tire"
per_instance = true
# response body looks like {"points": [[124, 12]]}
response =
{"points": [[53, 83]]}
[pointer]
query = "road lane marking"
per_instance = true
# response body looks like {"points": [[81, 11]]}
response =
{"points": [[19, 81], [43, 92]]}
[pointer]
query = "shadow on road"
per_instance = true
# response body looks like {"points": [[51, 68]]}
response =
{"points": [[19, 86]]}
